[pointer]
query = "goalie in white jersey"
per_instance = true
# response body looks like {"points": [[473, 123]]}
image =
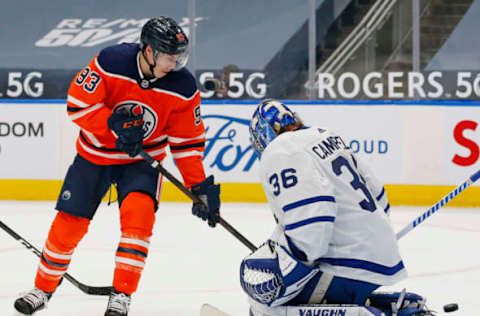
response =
{"points": [[333, 242]]}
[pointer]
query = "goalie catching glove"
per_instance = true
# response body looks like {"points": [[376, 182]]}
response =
{"points": [[209, 193], [271, 275]]}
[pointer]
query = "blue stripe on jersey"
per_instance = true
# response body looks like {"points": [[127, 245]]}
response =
{"points": [[309, 221], [381, 194], [297, 252], [182, 147], [55, 264], [132, 251], [70, 109], [320, 198], [387, 208], [364, 265]]}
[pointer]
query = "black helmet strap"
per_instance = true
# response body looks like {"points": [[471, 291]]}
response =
{"points": [[155, 54]]}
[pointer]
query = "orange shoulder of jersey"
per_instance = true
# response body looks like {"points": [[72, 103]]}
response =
{"points": [[85, 101]]}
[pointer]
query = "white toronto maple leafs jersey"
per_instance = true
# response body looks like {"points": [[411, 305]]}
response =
{"points": [[330, 209]]}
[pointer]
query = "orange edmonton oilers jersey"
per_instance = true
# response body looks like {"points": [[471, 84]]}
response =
{"points": [[171, 108]]}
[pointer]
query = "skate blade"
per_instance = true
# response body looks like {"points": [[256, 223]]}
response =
{"points": [[210, 310]]}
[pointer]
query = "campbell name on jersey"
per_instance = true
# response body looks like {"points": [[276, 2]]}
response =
{"points": [[170, 106], [330, 209]]}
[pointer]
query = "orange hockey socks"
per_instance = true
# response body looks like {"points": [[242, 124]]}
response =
{"points": [[65, 233], [137, 216]]}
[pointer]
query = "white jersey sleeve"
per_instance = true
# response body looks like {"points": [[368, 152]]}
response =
{"points": [[303, 201]]}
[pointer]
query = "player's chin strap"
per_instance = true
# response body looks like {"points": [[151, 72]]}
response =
{"points": [[145, 83], [152, 66]]}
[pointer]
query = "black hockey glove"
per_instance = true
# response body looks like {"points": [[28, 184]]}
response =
{"points": [[129, 130], [209, 193]]}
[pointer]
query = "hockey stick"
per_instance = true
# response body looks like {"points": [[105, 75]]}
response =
{"points": [[155, 164], [90, 290], [439, 204], [210, 310]]}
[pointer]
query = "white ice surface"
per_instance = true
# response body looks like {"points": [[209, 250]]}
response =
{"points": [[190, 264]]}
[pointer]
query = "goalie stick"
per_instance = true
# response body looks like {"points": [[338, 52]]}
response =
{"points": [[439, 204], [210, 310], [87, 289], [155, 164]]}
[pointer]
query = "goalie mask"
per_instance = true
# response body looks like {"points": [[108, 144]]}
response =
{"points": [[269, 119]]}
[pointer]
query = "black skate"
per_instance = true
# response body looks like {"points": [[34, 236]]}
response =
{"points": [[118, 304], [32, 301]]}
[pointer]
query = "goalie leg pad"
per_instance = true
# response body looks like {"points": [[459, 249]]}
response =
{"points": [[137, 217], [335, 290], [257, 309], [65, 233]]}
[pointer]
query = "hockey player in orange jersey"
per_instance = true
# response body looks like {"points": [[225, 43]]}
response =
{"points": [[129, 98]]}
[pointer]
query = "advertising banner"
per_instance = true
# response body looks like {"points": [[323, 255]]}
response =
{"points": [[462, 141], [374, 133], [406, 144], [30, 141], [414, 144]]}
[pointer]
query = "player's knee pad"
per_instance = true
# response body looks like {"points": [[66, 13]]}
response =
{"points": [[137, 215], [67, 231]]}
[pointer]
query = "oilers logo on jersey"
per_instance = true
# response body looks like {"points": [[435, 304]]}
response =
{"points": [[137, 108]]}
